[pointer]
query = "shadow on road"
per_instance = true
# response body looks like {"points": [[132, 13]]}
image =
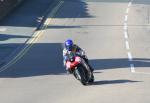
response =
{"points": [[27, 14], [46, 59], [41, 59], [31, 12], [106, 82], [118, 63], [4, 37]]}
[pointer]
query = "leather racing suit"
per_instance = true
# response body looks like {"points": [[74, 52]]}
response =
{"points": [[75, 49]]}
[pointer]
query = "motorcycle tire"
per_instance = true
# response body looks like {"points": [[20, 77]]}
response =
{"points": [[81, 76], [91, 79]]}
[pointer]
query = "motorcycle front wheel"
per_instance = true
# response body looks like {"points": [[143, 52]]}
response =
{"points": [[81, 76]]}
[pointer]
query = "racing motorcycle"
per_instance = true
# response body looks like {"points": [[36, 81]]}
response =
{"points": [[80, 69]]}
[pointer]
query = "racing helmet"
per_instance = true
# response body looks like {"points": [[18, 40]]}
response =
{"points": [[69, 44]]}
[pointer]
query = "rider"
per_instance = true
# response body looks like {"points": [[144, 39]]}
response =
{"points": [[71, 47]]}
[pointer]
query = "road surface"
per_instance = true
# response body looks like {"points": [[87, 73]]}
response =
{"points": [[115, 36]]}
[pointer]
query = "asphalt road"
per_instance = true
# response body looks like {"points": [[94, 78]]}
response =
{"points": [[115, 36], [19, 26]]}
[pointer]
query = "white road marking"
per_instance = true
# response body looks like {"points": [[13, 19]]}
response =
{"points": [[132, 68], [126, 18], [126, 35], [130, 3], [130, 56], [127, 45]]}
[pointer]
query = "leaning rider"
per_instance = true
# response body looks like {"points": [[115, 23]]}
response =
{"points": [[71, 47]]}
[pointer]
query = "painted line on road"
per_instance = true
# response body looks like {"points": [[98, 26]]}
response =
{"points": [[125, 35], [132, 68], [126, 18], [130, 58], [53, 13], [34, 39], [127, 44], [130, 3]]}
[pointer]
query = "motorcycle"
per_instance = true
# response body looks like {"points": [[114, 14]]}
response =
{"points": [[80, 69]]}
